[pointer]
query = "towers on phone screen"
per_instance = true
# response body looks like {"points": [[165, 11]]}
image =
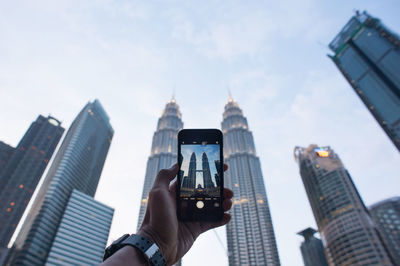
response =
{"points": [[200, 178]]}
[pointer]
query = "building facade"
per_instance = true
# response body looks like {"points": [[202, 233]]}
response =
{"points": [[312, 249], [386, 217], [23, 171], [343, 221], [250, 233], [6, 151], [83, 232], [77, 165], [163, 150], [368, 55]]}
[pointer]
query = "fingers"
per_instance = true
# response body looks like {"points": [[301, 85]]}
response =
{"points": [[226, 205], [228, 194], [165, 176]]}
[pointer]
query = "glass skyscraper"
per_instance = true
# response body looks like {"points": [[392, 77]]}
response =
{"points": [[77, 165], [343, 221], [163, 150], [6, 151], [386, 217], [23, 170], [312, 249], [368, 55], [83, 232], [250, 234]]}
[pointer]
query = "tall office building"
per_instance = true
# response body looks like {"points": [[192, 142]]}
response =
{"points": [[6, 151], [343, 221], [386, 217], [83, 232], [250, 234], [23, 171], [368, 55], [312, 249], [77, 165], [163, 150]]}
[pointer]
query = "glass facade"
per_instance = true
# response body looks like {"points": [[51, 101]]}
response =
{"points": [[386, 217], [343, 221], [77, 165], [83, 232], [250, 233], [368, 55], [6, 151], [23, 171], [312, 249]]}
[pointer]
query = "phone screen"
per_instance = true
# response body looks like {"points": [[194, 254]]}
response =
{"points": [[200, 179]]}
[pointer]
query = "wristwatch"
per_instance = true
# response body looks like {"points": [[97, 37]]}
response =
{"points": [[149, 249]]}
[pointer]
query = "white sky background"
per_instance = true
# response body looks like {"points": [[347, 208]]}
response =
{"points": [[57, 55]]}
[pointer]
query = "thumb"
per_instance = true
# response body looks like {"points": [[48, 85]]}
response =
{"points": [[165, 176]]}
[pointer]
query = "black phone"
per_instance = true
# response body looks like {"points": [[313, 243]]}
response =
{"points": [[201, 175]]}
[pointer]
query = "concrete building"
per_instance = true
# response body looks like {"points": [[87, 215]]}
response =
{"points": [[250, 233], [343, 221], [368, 55]]}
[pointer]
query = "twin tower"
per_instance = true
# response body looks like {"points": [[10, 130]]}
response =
{"points": [[190, 181], [250, 234]]}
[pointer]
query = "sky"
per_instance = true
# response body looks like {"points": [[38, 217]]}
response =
{"points": [[133, 55]]}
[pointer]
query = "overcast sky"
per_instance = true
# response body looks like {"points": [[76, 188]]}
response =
{"points": [[131, 55]]}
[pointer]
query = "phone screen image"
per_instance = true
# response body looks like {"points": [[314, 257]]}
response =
{"points": [[200, 181]]}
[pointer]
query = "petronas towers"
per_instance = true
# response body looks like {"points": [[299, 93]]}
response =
{"points": [[250, 234]]}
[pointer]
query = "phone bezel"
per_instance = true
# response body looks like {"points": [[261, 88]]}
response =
{"points": [[189, 136]]}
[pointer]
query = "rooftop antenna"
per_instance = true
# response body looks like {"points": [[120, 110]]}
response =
{"points": [[230, 99]]}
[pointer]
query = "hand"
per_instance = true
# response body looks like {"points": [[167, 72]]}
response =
{"points": [[161, 224]]}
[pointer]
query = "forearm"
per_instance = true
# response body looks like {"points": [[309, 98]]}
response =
{"points": [[127, 255]]}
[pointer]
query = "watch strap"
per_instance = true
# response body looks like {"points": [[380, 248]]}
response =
{"points": [[149, 249]]}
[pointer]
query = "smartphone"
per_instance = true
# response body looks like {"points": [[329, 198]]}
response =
{"points": [[201, 175]]}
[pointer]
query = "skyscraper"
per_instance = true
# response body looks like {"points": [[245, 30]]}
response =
{"points": [[163, 150], [6, 151], [23, 171], [83, 232], [343, 221], [250, 234], [208, 183], [312, 249], [386, 217], [77, 165], [368, 55]]}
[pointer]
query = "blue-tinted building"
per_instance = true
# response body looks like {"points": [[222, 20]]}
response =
{"points": [[368, 55], [386, 217], [83, 232], [312, 249], [23, 170], [6, 151], [77, 165]]}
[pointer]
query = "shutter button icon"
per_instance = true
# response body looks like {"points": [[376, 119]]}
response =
{"points": [[200, 204]]}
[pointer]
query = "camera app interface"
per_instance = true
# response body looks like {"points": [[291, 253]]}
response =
{"points": [[200, 176]]}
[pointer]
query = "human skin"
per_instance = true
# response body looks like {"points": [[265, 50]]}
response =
{"points": [[161, 225]]}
